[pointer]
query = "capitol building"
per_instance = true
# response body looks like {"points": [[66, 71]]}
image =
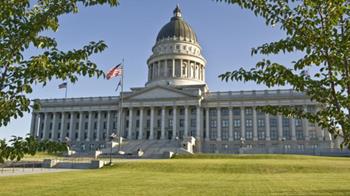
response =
{"points": [[175, 104]]}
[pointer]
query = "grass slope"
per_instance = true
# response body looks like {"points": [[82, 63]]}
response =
{"points": [[197, 175]]}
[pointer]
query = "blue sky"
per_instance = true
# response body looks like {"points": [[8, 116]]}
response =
{"points": [[225, 32]]}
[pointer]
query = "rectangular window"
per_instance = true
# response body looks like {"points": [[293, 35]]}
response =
{"points": [[137, 123], [104, 125], [225, 134], [213, 124], [236, 111], [182, 123], [248, 123], [193, 123], [249, 135], [76, 125], [159, 123], [59, 126], [95, 125], [261, 135], [237, 123], [236, 135], [285, 122], [299, 135], [248, 111], [212, 112], [86, 125], [273, 122], [193, 111], [170, 123], [148, 123], [225, 111], [224, 123], [68, 126], [50, 126], [261, 123], [298, 122]]}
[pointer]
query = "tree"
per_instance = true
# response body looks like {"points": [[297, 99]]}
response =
{"points": [[320, 30], [21, 27], [18, 147]]}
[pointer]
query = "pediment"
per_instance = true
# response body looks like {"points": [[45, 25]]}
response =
{"points": [[158, 93]]}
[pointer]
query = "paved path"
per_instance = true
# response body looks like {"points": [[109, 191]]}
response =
{"points": [[24, 171]]}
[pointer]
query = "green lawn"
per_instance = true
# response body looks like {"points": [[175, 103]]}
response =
{"points": [[199, 175]]}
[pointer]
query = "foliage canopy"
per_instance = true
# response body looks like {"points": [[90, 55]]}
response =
{"points": [[320, 30]]}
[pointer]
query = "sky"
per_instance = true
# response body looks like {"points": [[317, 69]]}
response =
{"points": [[225, 32]]}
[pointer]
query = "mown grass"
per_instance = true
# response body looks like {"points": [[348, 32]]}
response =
{"points": [[196, 175]]}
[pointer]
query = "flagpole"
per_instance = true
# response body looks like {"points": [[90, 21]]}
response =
{"points": [[121, 105], [65, 94]]}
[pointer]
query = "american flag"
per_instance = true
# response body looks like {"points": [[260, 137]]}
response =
{"points": [[63, 85], [114, 72]]}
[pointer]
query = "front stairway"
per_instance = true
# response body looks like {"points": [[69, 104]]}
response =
{"points": [[150, 148]]}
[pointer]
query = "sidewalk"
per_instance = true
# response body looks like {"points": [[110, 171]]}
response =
{"points": [[24, 171]]}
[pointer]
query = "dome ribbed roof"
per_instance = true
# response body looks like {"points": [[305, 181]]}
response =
{"points": [[177, 27]]}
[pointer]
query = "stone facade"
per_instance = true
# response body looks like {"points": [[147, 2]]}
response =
{"points": [[176, 103]]}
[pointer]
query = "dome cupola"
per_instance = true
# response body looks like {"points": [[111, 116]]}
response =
{"points": [[177, 28], [176, 58]]}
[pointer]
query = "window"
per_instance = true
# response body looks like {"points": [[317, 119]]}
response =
{"points": [[273, 134], [249, 135], [182, 122], [59, 126], [248, 123], [236, 111], [170, 112], [68, 126], [114, 125], [50, 135], [298, 122], [261, 123], [50, 126], [224, 111], [236, 135], [159, 123], [193, 111], [273, 122], [86, 125], [248, 111], [95, 125], [193, 122], [76, 135], [182, 111], [225, 134], [285, 122], [104, 125], [105, 114], [299, 135], [225, 123], [77, 125], [170, 122], [213, 124], [312, 134], [95, 135], [236, 123], [137, 123], [212, 112], [261, 135], [58, 135], [85, 135], [148, 123]]}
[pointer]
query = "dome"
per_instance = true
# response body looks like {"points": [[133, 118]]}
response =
{"points": [[177, 27]]}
